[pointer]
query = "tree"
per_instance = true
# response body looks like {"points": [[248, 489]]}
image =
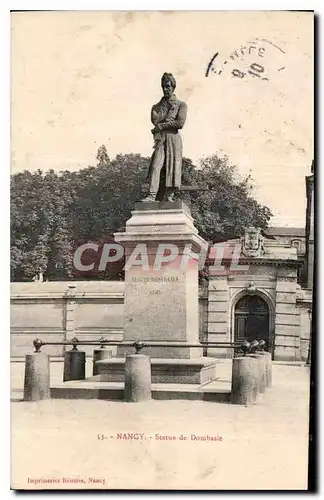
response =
{"points": [[225, 206], [50, 212], [105, 196], [40, 208], [102, 156]]}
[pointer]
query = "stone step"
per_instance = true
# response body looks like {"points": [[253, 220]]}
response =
{"points": [[114, 391], [164, 371]]}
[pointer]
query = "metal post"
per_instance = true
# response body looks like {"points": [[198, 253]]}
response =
{"points": [[74, 363]]}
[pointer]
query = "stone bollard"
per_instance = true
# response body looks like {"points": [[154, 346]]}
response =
{"points": [[37, 377], [268, 368], [245, 371], [263, 364], [261, 371], [74, 364], [99, 354], [137, 378]]}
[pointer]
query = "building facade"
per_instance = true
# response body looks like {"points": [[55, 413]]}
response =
{"points": [[267, 293], [259, 298], [310, 255]]}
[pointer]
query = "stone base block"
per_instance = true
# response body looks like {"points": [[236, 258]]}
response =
{"points": [[163, 352], [143, 206], [110, 391], [163, 371]]}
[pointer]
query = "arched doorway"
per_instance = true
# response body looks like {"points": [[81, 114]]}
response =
{"points": [[251, 319]]}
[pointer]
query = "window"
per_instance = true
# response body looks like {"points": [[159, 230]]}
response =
{"points": [[296, 244]]}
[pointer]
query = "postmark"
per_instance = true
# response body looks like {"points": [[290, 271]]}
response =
{"points": [[258, 59]]}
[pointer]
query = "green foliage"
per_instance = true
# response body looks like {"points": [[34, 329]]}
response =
{"points": [[40, 211], [225, 206], [51, 211]]}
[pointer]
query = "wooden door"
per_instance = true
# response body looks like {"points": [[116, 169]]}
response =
{"points": [[251, 319]]}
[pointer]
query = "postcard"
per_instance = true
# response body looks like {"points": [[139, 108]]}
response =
{"points": [[162, 249]]}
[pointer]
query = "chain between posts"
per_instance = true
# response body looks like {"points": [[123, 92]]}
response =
{"points": [[245, 346]]}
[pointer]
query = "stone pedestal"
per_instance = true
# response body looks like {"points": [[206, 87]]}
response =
{"points": [[161, 278]]}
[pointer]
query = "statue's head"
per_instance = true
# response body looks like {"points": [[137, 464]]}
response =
{"points": [[168, 84], [252, 232]]}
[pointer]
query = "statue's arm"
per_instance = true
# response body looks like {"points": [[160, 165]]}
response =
{"points": [[179, 121], [155, 116]]}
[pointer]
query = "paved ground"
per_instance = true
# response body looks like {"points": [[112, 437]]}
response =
{"points": [[262, 447]]}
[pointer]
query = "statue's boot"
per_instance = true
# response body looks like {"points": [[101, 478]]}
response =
{"points": [[170, 196], [150, 197]]}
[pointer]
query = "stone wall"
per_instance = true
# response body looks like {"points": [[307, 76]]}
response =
{"points": [[218, 301], [298, 242], [58, 311], [287, 333]]}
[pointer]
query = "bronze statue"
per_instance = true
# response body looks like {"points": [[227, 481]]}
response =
{"points": [[168, 117]]}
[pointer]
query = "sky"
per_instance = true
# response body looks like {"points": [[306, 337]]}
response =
{"points": [[80, 79]]}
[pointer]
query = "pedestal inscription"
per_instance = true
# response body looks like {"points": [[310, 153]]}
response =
{"points": [[161, 282]]}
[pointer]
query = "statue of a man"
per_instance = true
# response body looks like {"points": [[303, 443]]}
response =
{"points": [[168, 117]]}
